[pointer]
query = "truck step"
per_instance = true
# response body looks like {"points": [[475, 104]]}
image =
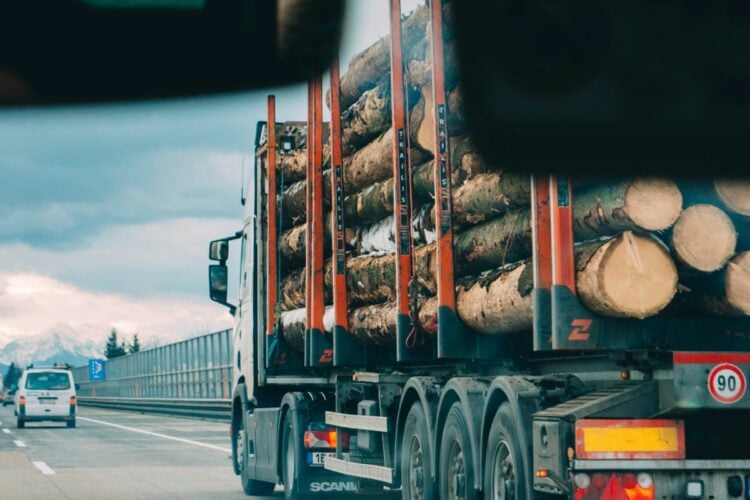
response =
{"points": [[365, 471], [360, 422]]}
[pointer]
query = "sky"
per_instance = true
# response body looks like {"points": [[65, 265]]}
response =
{"points": [[107, 210]]}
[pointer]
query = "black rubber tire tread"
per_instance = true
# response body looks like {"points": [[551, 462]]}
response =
{"points": [[250, 486], [292, 493], [504, 428], [416, 424], [456, 430]]}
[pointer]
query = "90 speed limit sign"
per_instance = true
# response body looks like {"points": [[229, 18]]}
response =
{"points": [[726, 383]]}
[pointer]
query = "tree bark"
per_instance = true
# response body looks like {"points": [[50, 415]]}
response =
{"points": [[704, 238], [628, 276], [292, 242], [724, 293], [639, 204], [425, 134], [294, 165]]}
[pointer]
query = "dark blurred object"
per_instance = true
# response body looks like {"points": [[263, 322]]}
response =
{"points": [[57, 51], [606, 87]]}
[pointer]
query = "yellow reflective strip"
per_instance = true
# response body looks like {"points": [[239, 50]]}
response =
{"points": [[630, 439]]}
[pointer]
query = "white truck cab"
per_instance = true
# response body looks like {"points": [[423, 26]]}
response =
{"points": [[46, 394]]}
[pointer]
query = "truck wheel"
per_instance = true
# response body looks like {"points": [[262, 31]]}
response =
{"points": [[239, 460], [504, 477], [456, 475], [416, 457], [290, 459]]}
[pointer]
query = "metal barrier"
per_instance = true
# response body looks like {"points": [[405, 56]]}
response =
{"points": [[176, 376], [200, 408]]}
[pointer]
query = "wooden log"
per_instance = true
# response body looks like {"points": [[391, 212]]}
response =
{"points": [[734, 195], [425, 135], [629, 276], [375, 202], [367, 118], [292, 243], [648, 204], [724, 293], [704, 238], [294, 165]]}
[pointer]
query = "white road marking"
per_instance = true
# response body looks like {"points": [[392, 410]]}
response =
{"points": [[157, 434], [44, 468], [7, 431], [20, 443]]}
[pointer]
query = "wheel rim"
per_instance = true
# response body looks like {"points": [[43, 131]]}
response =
{"points": [[416, 469], [456, 471], [503, 473], [290, 464], [240, 447]]}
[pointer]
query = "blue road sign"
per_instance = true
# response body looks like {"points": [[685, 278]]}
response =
{"points": [[96, 369]]}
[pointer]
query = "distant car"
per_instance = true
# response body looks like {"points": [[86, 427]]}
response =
{"points": [[9, 399], [46, 394]]}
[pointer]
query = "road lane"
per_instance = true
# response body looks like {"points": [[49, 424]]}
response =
{"points": [[112, 455]]}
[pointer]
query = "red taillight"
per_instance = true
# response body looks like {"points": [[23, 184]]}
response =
{"points": [[72, 400], [22, 400], [324, 439], [627, 486]]}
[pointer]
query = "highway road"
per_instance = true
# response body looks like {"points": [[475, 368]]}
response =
{"points": [[113, 455]]}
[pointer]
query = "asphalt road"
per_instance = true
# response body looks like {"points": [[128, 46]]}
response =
{"points": [[112, 455]]}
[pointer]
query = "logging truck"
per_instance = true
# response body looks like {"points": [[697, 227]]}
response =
{"points": [[412, 321]]}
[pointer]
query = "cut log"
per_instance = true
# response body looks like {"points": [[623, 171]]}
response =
{"points": [[294, 165], [381, 236], [704, 238], [629, 276], [425, 135], [375, 202], [366, 119], [292, 243], [734, 194], [724, 293], [648, 204]]}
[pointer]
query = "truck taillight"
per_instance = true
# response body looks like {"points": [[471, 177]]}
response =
{"points": [[72, 400], [627, 486], [324, 439], [22, 400]]}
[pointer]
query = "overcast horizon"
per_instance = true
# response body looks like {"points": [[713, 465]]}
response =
{"points": [[108, 210]]}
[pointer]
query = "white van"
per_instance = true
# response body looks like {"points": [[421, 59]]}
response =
{"points": [[46, 394]]}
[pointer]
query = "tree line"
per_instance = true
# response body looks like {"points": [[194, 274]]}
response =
{"points": [[115, 348]]}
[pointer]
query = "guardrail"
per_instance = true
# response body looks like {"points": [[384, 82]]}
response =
{"points": [[219, 409]]}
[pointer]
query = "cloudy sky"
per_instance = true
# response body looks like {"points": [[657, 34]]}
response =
{"points": [[107, 211]]}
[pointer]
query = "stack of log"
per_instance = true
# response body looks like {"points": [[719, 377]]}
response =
{"points": [[636, 245]]}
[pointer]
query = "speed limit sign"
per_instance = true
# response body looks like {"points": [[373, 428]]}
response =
{"points": [[726, 383]]}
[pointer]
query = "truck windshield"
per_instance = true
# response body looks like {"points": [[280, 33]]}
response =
{"points": [[48, 381]]}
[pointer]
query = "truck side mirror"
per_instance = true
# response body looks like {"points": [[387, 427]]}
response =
{"points": [[218, 250], [217, 280]]}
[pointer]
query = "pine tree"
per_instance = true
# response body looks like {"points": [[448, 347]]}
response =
{"points": [[10, 380], [135, 345], [112, 349]]}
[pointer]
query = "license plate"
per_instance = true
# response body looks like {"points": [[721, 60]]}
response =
{"points": [[317, 457], [47, 401]]}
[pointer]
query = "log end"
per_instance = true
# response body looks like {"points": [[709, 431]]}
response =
{"points": [[735, 194], [630, 276], [704, 238], [652, 203], [738, 283]]}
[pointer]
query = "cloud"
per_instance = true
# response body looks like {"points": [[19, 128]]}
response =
{"points": [[33, 304]]}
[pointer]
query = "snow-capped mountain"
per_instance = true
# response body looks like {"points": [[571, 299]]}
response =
{"points": [[60, 344]]}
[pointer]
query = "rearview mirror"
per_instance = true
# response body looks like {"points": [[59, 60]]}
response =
{"points": [[57, 51], [218, 250], [217, 282]]}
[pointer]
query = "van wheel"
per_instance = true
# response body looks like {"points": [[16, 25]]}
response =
{"points": [[416, 457], [20, 424], [456, 477], [504, 477], [71, 424], [240, 458]]}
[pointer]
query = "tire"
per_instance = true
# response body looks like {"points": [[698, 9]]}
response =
{"points": [[416, 457], [291, 462], [20, 424], [240, 455], [71, 424], [456, 471], [504, 469]]}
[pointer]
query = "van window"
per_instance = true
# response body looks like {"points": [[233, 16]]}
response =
{"points": [[48, 381]]}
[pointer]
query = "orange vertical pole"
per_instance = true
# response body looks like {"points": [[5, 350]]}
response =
{"points": [[340, 299], [541, 231], [271, 248], [308, 209], [561, 221], [318, 271], [401, 187]]}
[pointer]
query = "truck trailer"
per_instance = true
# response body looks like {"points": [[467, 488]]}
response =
{"points": [[580, 404]]}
